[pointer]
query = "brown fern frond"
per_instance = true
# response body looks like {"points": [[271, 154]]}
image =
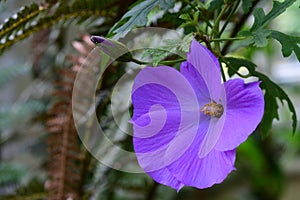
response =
{"points": [[63, 143], [67, 162]]}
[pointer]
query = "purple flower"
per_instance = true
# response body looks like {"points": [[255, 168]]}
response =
{"points": [[188, 124]]}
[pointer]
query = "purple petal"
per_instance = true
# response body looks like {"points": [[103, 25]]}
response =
{"points": [[245, 107], [165, 107], [156, 117], [164, 176], [208, 66], [212, 136], [202, 172], [196, 81]]}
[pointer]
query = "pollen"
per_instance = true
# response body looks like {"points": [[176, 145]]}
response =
{"points": [[213, 109]]}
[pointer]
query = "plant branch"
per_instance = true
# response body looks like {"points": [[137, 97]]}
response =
{"points": [[215, 29], [238, 27], [229, 17]]}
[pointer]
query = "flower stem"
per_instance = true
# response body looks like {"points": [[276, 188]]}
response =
{"points": [[215, 30], [229, 17], [138, 61], [222, 73], [166, 62], [228, 39], [169, 62]]}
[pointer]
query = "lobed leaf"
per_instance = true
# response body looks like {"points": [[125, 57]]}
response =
{"points": [[246, 5], [215, 5], [138, 15], [261, 19], [234, 64], [274, 91], [289, 43]]}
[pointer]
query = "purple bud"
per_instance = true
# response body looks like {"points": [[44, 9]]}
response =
{"points": [[97, 39]]}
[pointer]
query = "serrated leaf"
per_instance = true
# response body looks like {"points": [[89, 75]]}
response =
{"points": [[234, 64], [272, 93], [215, 4], [260, 37], [288, 43], [138, 15], [261, 19], [246, 5]]}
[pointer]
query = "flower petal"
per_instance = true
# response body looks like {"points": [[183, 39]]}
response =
{"points": [[245, 108], [164, 105], [196, 81], [164, 176], [202, 172], [208, 66], [156, 117]]}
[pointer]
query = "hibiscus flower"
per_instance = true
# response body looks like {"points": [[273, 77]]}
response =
{"points": [[188, 124]]}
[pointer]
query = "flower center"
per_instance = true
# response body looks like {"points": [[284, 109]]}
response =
{"points": [[213, 109]]}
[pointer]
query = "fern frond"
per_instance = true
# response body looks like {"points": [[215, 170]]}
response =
{"points": [[19, 20], [63, 144], [35, 17]]}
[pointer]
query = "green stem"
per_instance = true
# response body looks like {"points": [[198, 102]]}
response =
{"points": [[169, 62], [190, 4], [166, 62], [215, 30], [229, 17], [139, 62], [227, 39], [222, 73]]}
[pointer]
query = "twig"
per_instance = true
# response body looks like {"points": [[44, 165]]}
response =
{"points": [[238, 26]]}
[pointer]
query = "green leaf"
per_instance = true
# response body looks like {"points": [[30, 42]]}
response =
{"points": [[261, 19], [186, 17], [246, 5], [20, 20], [258, 38], [234, 65], [272, 93], [288, 43], [215, 5], [138, 15]]}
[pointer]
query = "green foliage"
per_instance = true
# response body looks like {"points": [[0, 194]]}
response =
{"points": [[11, 73], [246, 5], [259, 35], [11, 173], [272, 93], [261, 19], [34, 190], [10, 117], [20, 20], [35, 17], [257, 164], [288, 43], [215, 4], [138, 15]]}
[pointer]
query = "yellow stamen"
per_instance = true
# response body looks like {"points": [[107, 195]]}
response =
{"points": [[213, 109]]}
